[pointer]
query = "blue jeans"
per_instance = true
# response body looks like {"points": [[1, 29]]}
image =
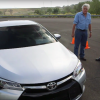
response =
{"points": [[80, 38]]}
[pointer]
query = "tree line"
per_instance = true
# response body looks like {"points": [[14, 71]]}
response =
{"points": [[5, 10], [94, 8]]}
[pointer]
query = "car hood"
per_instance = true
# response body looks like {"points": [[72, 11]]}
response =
{"points": [[37, 64]]}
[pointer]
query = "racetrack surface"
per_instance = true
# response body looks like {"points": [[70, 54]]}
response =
{"points": [[63, 26]]}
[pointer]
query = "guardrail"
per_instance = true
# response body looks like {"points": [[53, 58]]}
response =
{"points": [[36, 16]]}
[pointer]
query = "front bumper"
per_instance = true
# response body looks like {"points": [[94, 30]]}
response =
{"points": [[70, 90], [67, 91]]}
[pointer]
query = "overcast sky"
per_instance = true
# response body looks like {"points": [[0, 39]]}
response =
{"points": [[36, 3]]}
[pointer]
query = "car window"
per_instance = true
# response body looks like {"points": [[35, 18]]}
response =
{"points": [[24, 36]]}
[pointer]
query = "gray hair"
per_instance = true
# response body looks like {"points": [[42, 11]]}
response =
{"points": [[86, 5]]}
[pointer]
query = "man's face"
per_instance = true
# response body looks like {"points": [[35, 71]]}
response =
{"points": [[85, 10]]}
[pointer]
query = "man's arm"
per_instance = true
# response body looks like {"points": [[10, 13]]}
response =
{"points": [[90, 31], [74, 24], [73, 30]]}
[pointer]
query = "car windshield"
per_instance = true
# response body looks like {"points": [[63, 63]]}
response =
{"points": [[24, 36]]}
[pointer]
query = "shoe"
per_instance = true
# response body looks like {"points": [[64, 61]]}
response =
{"points": [[83, 59], [97, 59]]}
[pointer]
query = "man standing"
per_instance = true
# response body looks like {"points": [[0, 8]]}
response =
{"points": [[82, 22]]}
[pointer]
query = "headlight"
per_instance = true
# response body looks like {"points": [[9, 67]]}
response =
{"points": [[78, 69], [4, 84]]}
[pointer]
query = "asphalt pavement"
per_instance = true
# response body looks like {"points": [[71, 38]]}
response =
{"points": [[63, 26]]}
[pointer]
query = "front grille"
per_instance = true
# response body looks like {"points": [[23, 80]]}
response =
{"points": [[45, 90], [63, 95], [74, 91], [35, 91], [66, 91]]}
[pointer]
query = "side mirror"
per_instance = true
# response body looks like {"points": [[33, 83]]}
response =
{"points": [[57, 36]]}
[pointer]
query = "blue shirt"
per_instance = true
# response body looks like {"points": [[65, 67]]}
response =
{"points": [[81, 21]]}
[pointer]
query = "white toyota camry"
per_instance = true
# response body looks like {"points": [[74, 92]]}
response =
{"points": [[34, 65]]}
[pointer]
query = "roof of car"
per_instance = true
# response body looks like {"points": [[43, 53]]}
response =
{"points": [[16, 23]]}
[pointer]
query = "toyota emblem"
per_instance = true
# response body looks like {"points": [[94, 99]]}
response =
{"points": [[51, 86]]}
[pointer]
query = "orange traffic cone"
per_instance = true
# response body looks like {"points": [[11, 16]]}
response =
{"points": [[73, 41], [87, 46]]}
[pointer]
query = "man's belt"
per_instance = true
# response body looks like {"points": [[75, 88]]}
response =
{"points": [[81, 30]]}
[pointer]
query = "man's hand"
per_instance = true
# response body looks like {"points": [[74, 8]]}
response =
{"points": [[73, 30], [90, 35], [73, 34], [90, 31]]}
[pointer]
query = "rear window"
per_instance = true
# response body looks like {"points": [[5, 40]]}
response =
{"points": [[24, 36]]}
